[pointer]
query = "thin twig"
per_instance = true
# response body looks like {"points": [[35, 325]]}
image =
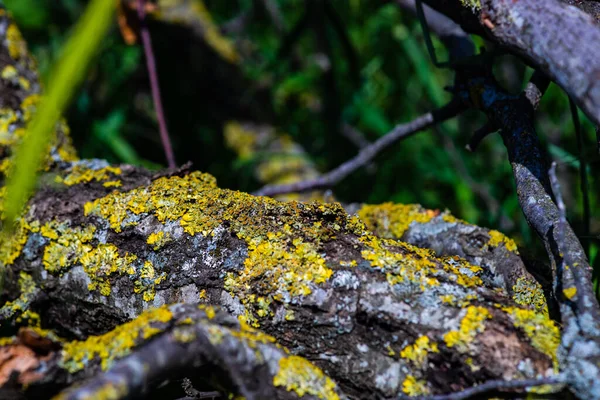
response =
{"points": [[151, 65], [490, 386], [334, 176], [582, 176]]}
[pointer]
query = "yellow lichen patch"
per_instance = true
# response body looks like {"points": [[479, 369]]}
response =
{"points": [[7, 341], [80, 173], [112, 184], [414, 387], [569, 293], [101, 262], [8, 118], [280, 263], [541, 330], [528, 292], [389, 220], [65, 245], [17, 47], [9, 72], [471, 324], [497, 238], [278, 159], [30, 318], [158, 239], [417, 352], [407, 264], [464, 273], [292, 268], [241, 140], [19, 306], [196, 15], [11, 246], [404, 263], [302, 377], [115, 344], [147, 281]]}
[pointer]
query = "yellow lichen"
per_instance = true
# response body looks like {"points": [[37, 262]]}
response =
{"points": [[115, 344], [404, 263], [101, 262], [414, 387], [389, 220], [147, 281], [471, 324], [539, 328], [302, 377], [196, 15], [417, 352], [280, 262], [16, 44], [242, 141], [81, 173], [158, 239], [569, 293], [497, 238], [19, 306], [66, 244], [528, 292]]}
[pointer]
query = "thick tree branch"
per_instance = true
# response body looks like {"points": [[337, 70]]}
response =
{"points": [[558, 39]]}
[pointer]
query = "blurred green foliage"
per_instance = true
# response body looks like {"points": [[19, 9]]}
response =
{"points": [[308, 90], [68, 72]]}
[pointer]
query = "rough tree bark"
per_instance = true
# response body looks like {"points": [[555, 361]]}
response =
{"points": [[118, 282]]}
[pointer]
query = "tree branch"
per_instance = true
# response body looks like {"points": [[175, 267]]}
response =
{"points": [[522, 28], [367, 154]]}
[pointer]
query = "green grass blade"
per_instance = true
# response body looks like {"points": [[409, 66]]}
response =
{"points": [[69, 71]]}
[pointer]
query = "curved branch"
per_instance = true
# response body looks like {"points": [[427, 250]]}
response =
{"points": [[558, 39], [367, 154]]}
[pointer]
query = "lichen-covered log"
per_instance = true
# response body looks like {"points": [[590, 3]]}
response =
{"points": [[296, 299]]}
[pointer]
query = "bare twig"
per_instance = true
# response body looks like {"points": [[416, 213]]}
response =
{"points": [[355, 136], [480, 134], [151, 65], [492, 386], [334, 176]]}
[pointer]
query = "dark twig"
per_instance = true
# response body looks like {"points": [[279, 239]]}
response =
{"points": [[583, 181], [492, 386], [334, 176], [151, 65], [355, 136], [427, 36], [480, 134]]}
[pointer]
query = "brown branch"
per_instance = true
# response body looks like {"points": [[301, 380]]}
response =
{"points": [[368, 153], [153, 75]]}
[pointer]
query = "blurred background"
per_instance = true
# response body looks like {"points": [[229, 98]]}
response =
{"points": [[328, 76]]}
